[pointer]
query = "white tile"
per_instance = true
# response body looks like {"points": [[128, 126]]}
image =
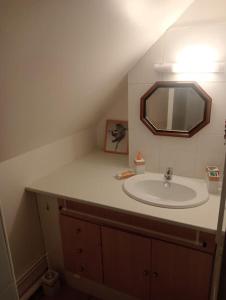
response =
{"points": [[136, 91], [179, 153], [182, 162], [210, 151], [216, 90], [188, 157], [145, 142], [198, 77]]}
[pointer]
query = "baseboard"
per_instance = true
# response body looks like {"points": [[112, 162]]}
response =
{"points": [[32, 275], [92, 288]]}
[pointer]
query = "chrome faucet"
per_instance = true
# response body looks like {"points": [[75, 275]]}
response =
{"points": [[169, 173]]}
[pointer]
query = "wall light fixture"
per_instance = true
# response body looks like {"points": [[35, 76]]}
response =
{"points": [[183, 67], [194, 59]]}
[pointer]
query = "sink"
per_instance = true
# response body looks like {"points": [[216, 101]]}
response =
{"points": [[153, 189]]}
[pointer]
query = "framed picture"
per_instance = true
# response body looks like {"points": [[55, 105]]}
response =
{"points": [[116, 137]]}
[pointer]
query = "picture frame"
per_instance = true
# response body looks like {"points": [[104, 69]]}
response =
{"points": [[116, 137]]}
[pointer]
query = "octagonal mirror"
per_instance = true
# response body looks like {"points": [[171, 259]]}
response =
{"points": [[175, 108]]}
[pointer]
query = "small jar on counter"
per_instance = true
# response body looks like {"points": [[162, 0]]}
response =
{"points": [[139, 164]]}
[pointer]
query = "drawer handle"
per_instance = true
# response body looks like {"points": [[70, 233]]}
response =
{"points": [[80, 250], [146, 273], [81, 269], [78, 230]]}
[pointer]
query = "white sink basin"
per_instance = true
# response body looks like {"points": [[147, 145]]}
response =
{"points": [[180, 192]]}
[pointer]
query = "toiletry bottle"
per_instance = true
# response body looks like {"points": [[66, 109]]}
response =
{"points": [[139, 164]]}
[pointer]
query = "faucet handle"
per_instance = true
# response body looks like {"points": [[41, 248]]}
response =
{"points": [[169, 170], [169, 173]]}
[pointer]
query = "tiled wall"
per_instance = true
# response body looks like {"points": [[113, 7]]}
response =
{"points": [[188, 157]]}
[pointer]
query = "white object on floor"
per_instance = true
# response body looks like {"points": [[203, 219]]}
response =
{"points": [[50, 283]]}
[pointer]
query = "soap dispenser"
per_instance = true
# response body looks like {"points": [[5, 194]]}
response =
{"points": [[139, 164]]}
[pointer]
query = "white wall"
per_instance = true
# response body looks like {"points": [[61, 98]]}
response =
{"points": [[62, 63], [20, 209], [7, 282], [188, 157], [117, 110], [62, 60]]}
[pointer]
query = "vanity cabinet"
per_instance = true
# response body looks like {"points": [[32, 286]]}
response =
{"points": [[81, 242], [99, 245], [153, 269], [126, 262], [179, 272]]}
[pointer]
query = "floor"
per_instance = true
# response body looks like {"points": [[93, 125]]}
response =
{"points": [[65, 293]]}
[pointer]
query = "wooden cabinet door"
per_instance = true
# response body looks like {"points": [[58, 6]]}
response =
{"points": [[179, 273], [126, 262], [81, 247]]}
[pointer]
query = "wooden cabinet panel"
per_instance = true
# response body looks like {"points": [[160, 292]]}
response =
{"points": [[156, 229], [179, 272], [81, 247], [126, 262], [145, 268]]}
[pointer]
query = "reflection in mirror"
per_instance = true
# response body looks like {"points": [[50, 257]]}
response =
{"points": [[175, 108], [179, 109]]}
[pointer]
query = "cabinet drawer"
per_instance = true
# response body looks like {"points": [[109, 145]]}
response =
{"points": [[85, 266], [139, 224], [81, 247], [78, 233]]}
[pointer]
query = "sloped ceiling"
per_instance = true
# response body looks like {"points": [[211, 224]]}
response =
{"points": [[204, 11], [62, 60]]}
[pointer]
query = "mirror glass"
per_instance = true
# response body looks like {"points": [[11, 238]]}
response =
{"points": [[179, 109], [174, 108]]}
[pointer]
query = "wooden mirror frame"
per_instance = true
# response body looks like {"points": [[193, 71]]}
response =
{"points": [[191, 84]]}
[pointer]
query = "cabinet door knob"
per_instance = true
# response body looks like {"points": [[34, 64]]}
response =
{"points": [[81, 269], [155, 275], [80, 250], [78, 230], [204, 244], [146, 273]]}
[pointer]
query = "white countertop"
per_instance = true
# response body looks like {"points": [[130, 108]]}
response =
{"points": [[91, 179]]}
